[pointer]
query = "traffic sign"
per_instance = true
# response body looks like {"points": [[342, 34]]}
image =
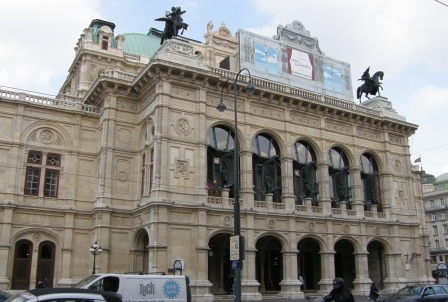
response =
{"points": [[235, 247]]}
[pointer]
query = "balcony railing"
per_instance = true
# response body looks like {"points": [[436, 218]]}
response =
{"points": [[66, 103]]}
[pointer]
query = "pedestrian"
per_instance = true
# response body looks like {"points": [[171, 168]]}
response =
{"points": [[373, 292], [42, 283], [339, 293], [301, 281]]}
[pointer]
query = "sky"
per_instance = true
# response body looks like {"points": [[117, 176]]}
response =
{"points": [[406, 39]]}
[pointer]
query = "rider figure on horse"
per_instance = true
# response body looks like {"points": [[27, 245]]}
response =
{"points": [[367, 79]]}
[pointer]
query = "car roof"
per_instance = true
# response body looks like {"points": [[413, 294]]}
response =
{"points": [[108, 296]]}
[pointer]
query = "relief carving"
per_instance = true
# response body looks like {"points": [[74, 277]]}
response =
{"points": [[338, 127], [268, 112], [182, 125], [270, 223], [182, 93], [305, 119], [394, 139], [126, 106], [369, 134], [181, 168]]}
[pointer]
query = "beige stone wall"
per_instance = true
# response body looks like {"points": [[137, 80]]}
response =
{"points": [[168, 111]]}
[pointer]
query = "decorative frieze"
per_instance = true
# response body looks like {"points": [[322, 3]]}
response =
{"points": [[128, 106], [182, 93], [267, 111], [305, 119], [181, 168], [395, 139], [338, 126], [367, 133]]}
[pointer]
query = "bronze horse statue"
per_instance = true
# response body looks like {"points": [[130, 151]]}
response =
{"points": [[173, 23], [371, 86]]}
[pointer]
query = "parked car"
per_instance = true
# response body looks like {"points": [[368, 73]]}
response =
{"points": [[4, 296], [65, 294], [419, 293]]}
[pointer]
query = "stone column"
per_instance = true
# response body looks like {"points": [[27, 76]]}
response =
{"points": [[287, 197], [249, 283], [67, 250], [357, 199], [327, 271], [362, 281], [290, 285], [324, 187], [246, 183], [5, 247]]}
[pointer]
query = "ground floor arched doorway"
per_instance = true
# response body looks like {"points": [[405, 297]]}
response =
{"points": [[141, 252], [344, 262], [377, 263], [220, 273], [309, 263], [269, 263]]}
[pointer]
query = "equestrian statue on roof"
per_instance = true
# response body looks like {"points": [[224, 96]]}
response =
{"points": [[173, 23], [371, 85]]}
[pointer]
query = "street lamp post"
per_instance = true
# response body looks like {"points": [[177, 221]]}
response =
{"points": [[250, 89], [95, 249]]}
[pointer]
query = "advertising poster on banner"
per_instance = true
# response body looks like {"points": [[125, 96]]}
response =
{"points": [[300, 64]]}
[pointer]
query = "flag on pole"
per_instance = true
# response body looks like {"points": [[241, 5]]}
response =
{"points": [[410, 259], [418, 160]]}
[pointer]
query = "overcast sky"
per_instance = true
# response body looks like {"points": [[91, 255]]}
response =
{"points": [[407, 39]]}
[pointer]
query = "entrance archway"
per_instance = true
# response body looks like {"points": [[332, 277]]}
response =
{"points": [[344, 262], [141, 253], [309, 263], [22, 265], [269, 263], [220, 273], [45, 263], [377, 263]]}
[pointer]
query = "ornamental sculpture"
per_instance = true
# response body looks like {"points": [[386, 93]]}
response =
{"points": [[371, 85], [173, 23]]}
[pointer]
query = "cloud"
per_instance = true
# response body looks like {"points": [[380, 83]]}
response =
{"points": [[40, 39], [327, 75]]}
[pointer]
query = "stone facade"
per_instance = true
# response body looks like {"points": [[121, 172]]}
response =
{"points": [[119, 157]]}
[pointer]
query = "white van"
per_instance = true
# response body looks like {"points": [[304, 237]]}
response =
{"points": [[139, 288]]}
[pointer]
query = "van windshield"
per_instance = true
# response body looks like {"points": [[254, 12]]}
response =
{"points": [[85, 281]]}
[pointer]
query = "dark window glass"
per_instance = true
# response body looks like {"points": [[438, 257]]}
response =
{"points": [[266, 168], [46, 252], [32, 181], [304, 173], [220, 149], [23, 250], [370, 182], [339, 177]]}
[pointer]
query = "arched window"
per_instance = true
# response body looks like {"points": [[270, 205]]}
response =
{"points": [[370, 181], [339, 180], [266, 167], [305, 176], [221, 144]]}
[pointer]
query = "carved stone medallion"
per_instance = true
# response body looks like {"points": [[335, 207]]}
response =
{"points": [[270, 223], [182, 125], [346, 228], [226, 220]]}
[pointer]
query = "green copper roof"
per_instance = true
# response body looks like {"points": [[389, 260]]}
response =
{"points": [[141, 44], [442, 177]]}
